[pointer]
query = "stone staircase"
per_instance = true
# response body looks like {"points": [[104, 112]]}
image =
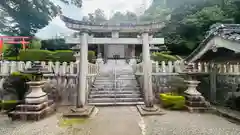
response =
{"points": [[115, 88]]}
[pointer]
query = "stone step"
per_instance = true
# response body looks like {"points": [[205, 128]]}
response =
{"points": [[113, 100], [104, 82], [110, 87], [112, 79], [115, 92], [114, 95], [117, 104], [103, 77], [119, 84]]}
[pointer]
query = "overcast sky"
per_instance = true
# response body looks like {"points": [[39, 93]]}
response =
{"points": [[56, 26]]}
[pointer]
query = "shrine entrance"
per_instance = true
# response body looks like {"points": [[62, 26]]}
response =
{"points": [[86, 37]]}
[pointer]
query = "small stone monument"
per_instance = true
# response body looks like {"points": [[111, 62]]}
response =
{"points": [[37, 105]]}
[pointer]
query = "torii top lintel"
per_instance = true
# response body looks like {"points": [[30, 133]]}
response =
{"points": [[130, 27]]}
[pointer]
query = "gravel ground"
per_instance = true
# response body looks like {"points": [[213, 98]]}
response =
{"points": [[126, 121], [47, 126], [110, 121], [184, 123]]}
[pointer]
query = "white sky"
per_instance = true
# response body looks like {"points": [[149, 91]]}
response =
{"points": [[108, 6]]}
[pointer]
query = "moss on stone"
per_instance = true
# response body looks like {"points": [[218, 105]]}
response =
{"points": [[66, 122]]}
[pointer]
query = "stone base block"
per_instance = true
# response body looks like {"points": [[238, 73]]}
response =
{"points": [[196, 104], [79, 112], [33, 115], [194, 98], [145, 111], [196, 109], [34, 107]]}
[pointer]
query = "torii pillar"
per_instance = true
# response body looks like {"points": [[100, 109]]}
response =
{"points": [[147, 70], [148, 108], [83, 69], [81, 109]]}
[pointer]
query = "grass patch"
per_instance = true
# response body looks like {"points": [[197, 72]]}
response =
{"points": [[66, 122], [8, 104]]}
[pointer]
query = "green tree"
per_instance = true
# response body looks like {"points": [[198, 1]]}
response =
{"points": [[97, 17], [35, 44], [24, 17], [121, 17], [190, 20]]}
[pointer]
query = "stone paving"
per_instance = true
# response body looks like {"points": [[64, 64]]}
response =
{"points": [[48, 126], [184, 123], [126, 121]]}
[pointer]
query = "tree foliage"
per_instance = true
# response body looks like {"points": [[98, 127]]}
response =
{"points": [[190, 20], [119, 17], [97, 17], [54, 44], [25, 17]]}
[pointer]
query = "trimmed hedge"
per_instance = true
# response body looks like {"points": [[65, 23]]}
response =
{"points": [[163, 57], [160, 56], [91, 56], [35, 55], [46, 55], [172, 101], [63, 55]]}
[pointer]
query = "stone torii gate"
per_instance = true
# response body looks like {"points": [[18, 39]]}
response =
{"points": [[145, 38]]}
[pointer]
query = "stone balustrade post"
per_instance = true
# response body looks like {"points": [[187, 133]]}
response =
{"points": [[170, 66]]}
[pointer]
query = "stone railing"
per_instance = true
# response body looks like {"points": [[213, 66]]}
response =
{"points": [[93, 69], [63, 80], [179, 66], [62, 69], [166, 77], [163, 67]]}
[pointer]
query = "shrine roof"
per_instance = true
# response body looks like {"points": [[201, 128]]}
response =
{"points": [[219, 36], [107, 27]]}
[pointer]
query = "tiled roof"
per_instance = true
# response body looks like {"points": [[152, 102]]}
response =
{"points": [[225, 31], [125, 24]]}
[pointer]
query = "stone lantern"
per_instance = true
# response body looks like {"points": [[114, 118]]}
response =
{"points": [[36, 105]]}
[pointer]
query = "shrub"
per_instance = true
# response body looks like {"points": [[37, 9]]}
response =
{"points": [[163, 57], [63, 56], [35, 55], [91, 56], [11, 58], [8, 104], [45, 55], [172, 101], [15, 87]]}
